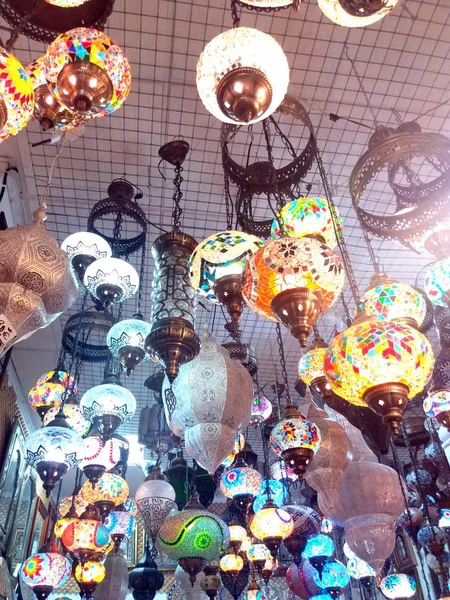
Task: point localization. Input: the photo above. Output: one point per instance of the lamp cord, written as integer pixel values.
(45, 195)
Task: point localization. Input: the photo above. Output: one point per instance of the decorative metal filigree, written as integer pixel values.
(154, 512)
(93, 326)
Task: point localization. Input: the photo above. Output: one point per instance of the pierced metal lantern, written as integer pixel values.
(172, 338)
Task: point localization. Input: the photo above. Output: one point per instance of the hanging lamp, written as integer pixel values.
(121, 524)
(311, 371)
(16, 96)
(261, 409)
(318, 551)
(49, 391)
(86, 538)
(398, 585)
(334, 578)
(87, 72)
(437, 405)
(110, 491)
(242, 75)
(211, 582)
(83, 248)
(145, 579)
(66, 3)
(231, 563)
(307, 523)
(88, 575)
(45, 571)
(172, 338)
(237, 535)
(111, 280)
(257, 554)
(356, 13)
(155, 498)
(99, 456)
(271, 525)
(241, 483)
(126, 341)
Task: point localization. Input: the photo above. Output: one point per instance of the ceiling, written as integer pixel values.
(404, 64)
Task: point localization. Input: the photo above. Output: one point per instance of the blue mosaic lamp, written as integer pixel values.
(398, 585)
(334, 578)
(318, 550)
(126, 341)
(273, 488)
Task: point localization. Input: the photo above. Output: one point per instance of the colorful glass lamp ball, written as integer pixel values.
(261, 409)
(398, 585)
(308, 216)
(87, 72)
(45, 571)
(437, 405)
(333, 578)
(50, 390)
(16, 96)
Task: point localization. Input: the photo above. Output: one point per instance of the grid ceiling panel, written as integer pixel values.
(403, 61)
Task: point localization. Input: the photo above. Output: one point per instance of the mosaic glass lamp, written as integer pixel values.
(271, 525)
(274, 489)
(50, 390)
(242, 76)
(357, 568)
(52, 451)
(126, 341)
(261, 409)
(308, 217)
(86, 538)
(257, 554)
(241, 483)
(66, 3)
(237, 535)
(307, 522)
(356, 13)
(73, 414)
(193, 536)
(334, 578)
(380, 364)
(83, 248)
(88, 575)
(16, 93)
(318, 550)
(295, 439)
(437, 405)
(390, 300)
(311, 371)
(120, 524)
(292, 280)
(111, 280)
(398, 585)
(231, 563)
(87, 72)
(45, 571)
(110, 491)
(99, 456)
(155, 498)
(78, 502)
(437, 283)
(280, 471)
(107, 406)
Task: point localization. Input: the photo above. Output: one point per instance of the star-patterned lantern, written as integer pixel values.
(45, 571)
(16, 93)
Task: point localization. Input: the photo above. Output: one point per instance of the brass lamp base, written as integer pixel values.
(443, 419)
(295, 544)
(299, 309)
(273, 544)
(228, 290)
(42, 591)
(84, 87)
(322, 387)
(3, 113)
(244, 94)
(362, 8)
(388, 400)
(298, 459)
(104, 507)
(192, 566)
(174, 342)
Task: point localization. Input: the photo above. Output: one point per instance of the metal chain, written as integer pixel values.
(361, 86)
(228, 201)
(373, 258)
(283, 363)
(234, 14)
(286, 140)
(141, 278)
(278, 197)
(177, 196)
(336, 226)
(408, 512)
(117, 231)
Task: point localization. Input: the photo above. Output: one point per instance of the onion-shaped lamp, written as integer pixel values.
(432, 537)
(83, 248)
(126, 341)
(261, 409)
(292, 280)
(390, 300)
(88, 575)
(231, 563)
(87, 72)
(86, 538)
(296, 439)
(271, 525)
(145, 579)
(241, 483)
(53, 450)
(155, 498)
(237, 535)
(16, 93)
(437, 405)
(193, 536)
(99, 456)
(318, 551)
(216, 266)
(108, 405)
(110, 491)
(257, 554)
(356, 13)
(380, 364)
(45, 571)
(111, 280)
(242, 76)
(398, 585)
(308, 217)
(334, 578)
(310, 369)
(437, 282)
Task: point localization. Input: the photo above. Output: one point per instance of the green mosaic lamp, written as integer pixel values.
(193, 537)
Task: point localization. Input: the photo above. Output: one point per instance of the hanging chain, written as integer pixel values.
(278, 197)
(336, 226)
(286, 140)
(177, 196)
(283, 363)
(228, 200)
(361, 86)
(373, 258)
(117, 231)
(141, 278)
(234, 14)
